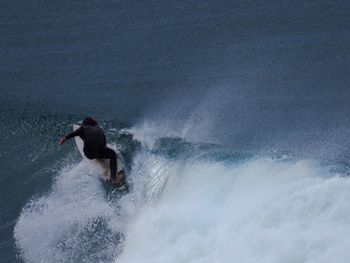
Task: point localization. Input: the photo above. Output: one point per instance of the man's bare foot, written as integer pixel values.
(121, 175)
(118, 180)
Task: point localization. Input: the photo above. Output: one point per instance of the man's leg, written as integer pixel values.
(110, 154)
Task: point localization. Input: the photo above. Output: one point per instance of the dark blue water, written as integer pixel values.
(255, 77)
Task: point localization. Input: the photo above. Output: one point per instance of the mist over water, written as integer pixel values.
(232, 117)
(259, 211)
(212, 206)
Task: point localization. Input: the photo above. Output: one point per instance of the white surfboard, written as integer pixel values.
(102, 165)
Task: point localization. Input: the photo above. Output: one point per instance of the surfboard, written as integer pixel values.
(101, 165)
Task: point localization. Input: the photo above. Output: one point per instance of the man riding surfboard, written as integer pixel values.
(95, 147)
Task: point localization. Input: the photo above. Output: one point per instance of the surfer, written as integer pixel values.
(95, 146)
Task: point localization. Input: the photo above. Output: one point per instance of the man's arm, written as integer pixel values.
(77, 132)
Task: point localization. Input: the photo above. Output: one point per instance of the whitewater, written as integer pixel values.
(191, 202)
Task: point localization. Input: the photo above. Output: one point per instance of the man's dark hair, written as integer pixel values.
(89, 121)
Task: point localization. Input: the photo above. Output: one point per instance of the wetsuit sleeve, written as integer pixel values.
(77, 132)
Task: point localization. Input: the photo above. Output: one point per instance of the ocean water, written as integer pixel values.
(232, 118)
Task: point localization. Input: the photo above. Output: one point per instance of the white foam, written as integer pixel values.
(258, 211)
(50, 228)
(149, 132)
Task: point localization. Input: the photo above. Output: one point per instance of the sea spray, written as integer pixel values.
(260, 210)
(74, 222)
(193, 203)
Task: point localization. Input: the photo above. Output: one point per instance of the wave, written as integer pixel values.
(74, 222)
(260, 210)
(193, 203)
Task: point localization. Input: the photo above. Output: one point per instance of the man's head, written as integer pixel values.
(89, 121)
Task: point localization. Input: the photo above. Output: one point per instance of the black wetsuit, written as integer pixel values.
(95, 145)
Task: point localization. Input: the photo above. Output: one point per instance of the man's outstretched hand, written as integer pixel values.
(62, 140)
